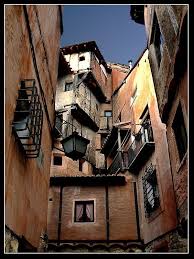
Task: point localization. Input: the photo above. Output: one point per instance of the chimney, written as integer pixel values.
(130, 64)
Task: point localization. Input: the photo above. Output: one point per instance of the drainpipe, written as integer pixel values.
(36, 67)
(136, 210)
(107, 215)
(60, 210)
(119, 149)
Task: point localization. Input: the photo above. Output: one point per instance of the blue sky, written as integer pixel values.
(117, 36)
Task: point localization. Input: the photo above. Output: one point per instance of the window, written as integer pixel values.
(144, 113)
(107, 113)
(84, 211)
(58, 125)
(68, 86)
(157, 40)
(103, 137)
(57, 160)
(82, 58)
(150, 189)
(119, 118)
(179, 129)
(146, 130)
(108, 119)
(134, 95)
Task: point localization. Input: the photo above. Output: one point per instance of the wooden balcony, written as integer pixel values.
(95, 85)
(84, 117)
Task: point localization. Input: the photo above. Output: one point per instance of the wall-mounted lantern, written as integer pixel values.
(74, 145)
(28, 119)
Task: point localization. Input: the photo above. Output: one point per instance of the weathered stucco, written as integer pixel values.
(27, 180)
(141, 78)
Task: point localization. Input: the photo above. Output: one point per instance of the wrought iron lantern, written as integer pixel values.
(75, 145)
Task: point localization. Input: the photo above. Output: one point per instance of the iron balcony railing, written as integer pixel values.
(142, 144)
(119, 163)
(137, 152)
(116, 164)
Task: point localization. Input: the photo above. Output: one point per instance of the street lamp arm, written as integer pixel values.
(58, 149)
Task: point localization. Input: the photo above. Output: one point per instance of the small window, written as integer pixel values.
(157, 40)
(107, 113)
(134, 95)
(103, 137)
(180, 132)
(151, 192)
(82, 58)
(84, 211)
(68, 86)
(58, 125)
(57, 160)
(144, 113)
(119, 118)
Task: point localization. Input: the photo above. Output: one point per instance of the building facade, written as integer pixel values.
(85, 209)
(31, 63)
(166, 28)
(95, 152)
(120, 195)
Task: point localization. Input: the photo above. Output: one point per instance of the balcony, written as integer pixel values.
(95, 85)
(116, 165)
(84, 117)
(141, 148)
(119, 163)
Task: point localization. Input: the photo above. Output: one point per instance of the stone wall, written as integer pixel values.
(171, 243)
(11, 242)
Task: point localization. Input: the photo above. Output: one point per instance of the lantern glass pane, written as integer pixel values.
(80, 146)
(68, 145)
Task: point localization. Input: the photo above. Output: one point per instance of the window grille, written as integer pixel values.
(84, 211)
(28, 119)
(150, 189)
